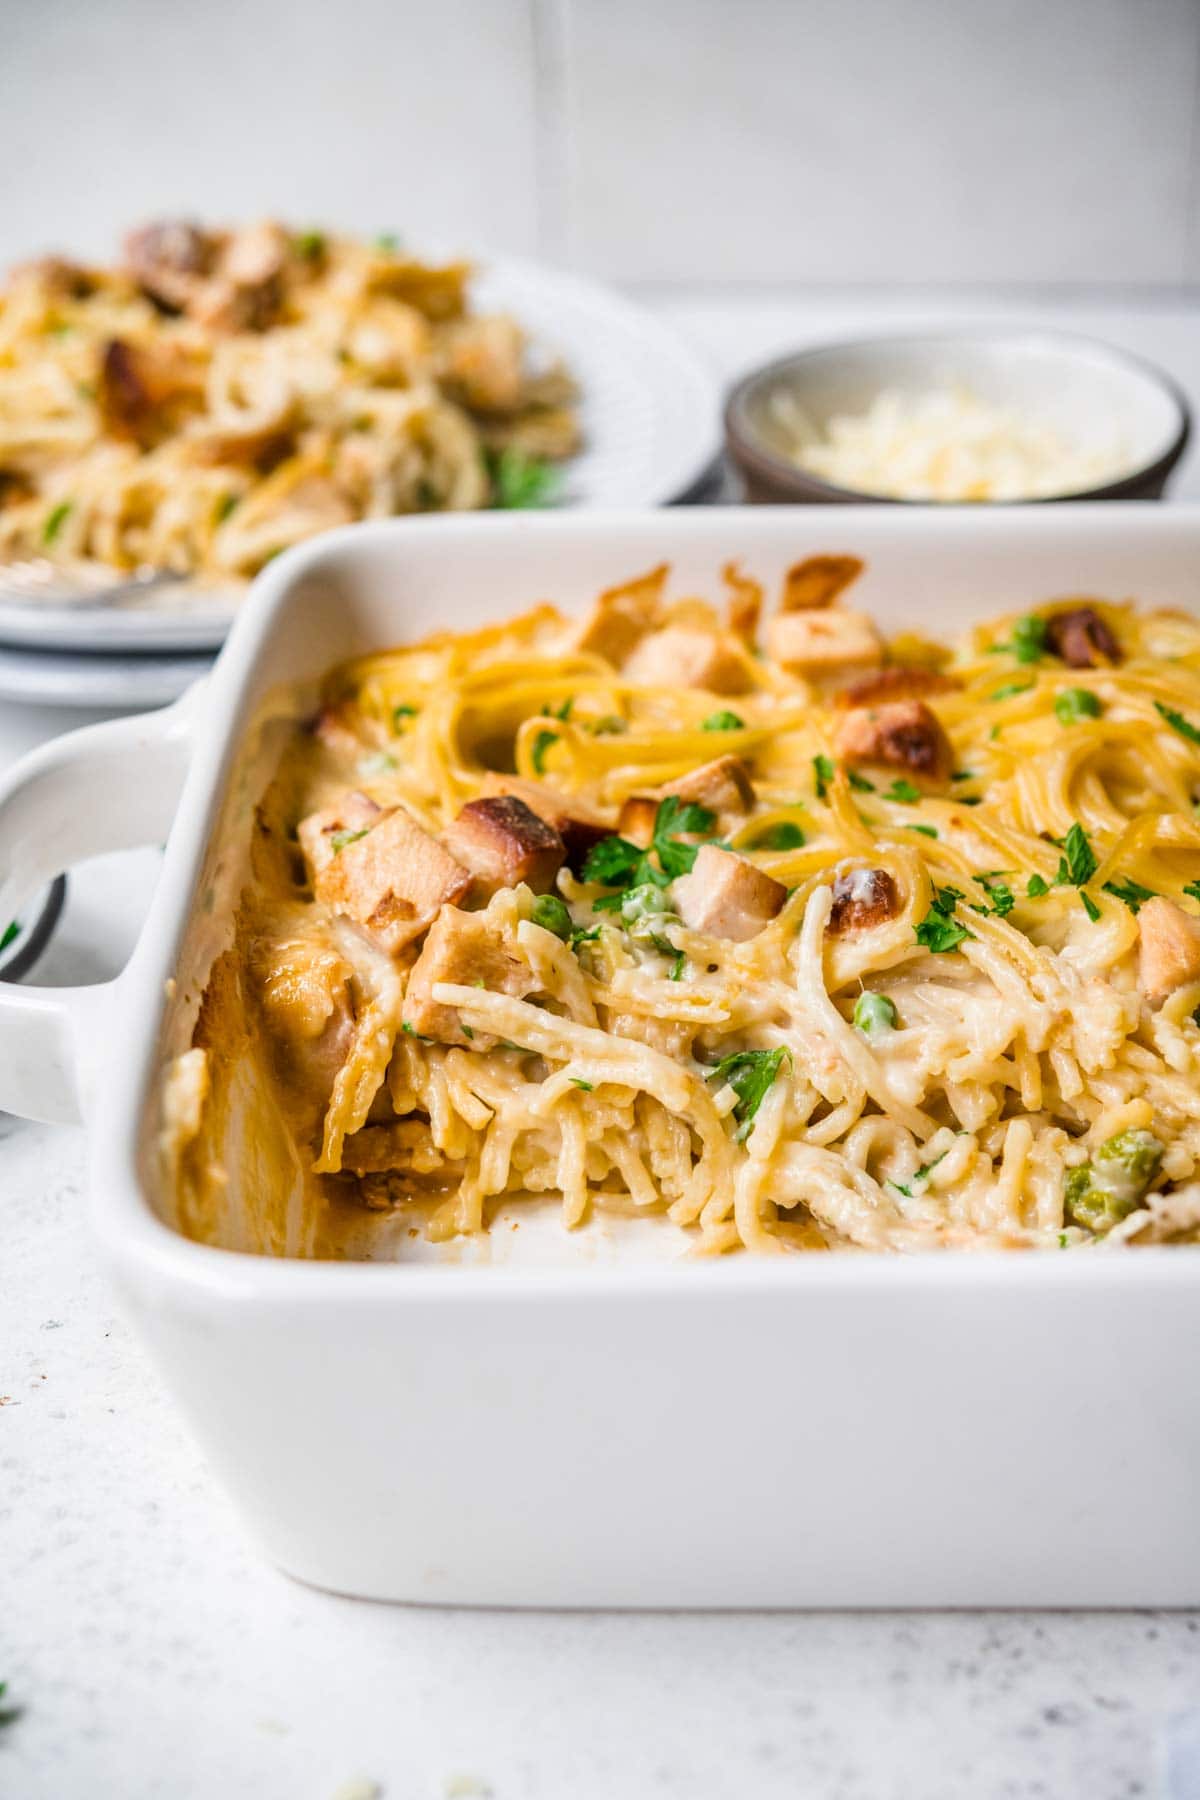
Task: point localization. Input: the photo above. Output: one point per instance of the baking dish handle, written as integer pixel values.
(107, 787)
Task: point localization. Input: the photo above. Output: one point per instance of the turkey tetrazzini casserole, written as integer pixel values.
(832, 943)
(221, 394)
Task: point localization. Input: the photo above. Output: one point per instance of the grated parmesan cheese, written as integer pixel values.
(950, 445)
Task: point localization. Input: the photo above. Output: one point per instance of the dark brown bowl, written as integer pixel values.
(1068, 381)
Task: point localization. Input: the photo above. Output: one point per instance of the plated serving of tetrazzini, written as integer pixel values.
(798, 938)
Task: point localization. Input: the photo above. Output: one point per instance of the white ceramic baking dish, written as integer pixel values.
(606, 1427)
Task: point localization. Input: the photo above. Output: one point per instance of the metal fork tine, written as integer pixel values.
(38, 582)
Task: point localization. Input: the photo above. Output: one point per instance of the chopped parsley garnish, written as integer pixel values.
(9, 1714)
(963, 775)
(1132, 893)
(823, 774)
(783, 835)
(874, 1013)
(678, 816)
(1078, 864)
(340, 839)
(939, 930)
(585, 1085)
(521, 481)
(225, 506)
(616, 863)
(1028, 641)
(750, 1073)
(929, 831)
(1009, 688)
(56, 518)
(1178, 723)
(723, 721)
(11, 931)
(420, 1035)
(400, 713)
(903, 790)
(1074, 704)
(918, 1178)
(1001, 897)
(561, 713)
(551, 914)
(541, 744)
(859, 783)
(1037, 887)
(1090, 907)
(678, 966)
(310, 245)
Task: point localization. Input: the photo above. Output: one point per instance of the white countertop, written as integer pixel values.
(154, 1655)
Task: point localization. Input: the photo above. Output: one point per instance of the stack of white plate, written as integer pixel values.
(650, 415)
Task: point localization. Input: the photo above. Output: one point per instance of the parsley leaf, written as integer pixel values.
(676, 816)
(750, 1074)
(929, 831)
(612, 862)
(1178, 723)
(1079, 863)
(1090, 907)
(340, 839)
(1009, 688)
(723, 721)
(1132, 893)
(56, 518)
(541, 744)
(1192, 889)
(310, 245)
(400, 713)
(1037, 887)
(939, 930)
(521, 481)
(783, 835)
(563, 712)
(823, 772)
(903, 790)
(918, 1178)
(585, 1085)
(1074, 704)
(1001, 895)
(859, 783)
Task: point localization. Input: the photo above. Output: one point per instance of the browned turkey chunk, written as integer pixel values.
(380, 868)
(817, 581)
(1081, 637)
(1168, 948)
(820, 644)
(862, 898)
(467, 950)
(169, 260)
(723, 785)
(502, 841)
(577, 824)
(727, 896)
(137, 385)
(903, 735)
(306, 999)
(688, 656)
(900, 681)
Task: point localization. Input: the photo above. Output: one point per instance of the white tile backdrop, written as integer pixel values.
(692, 141)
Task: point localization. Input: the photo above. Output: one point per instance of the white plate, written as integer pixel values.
(650, 413)
(80, 678)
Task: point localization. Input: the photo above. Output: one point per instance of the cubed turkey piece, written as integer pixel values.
(723, 786)
(380, 868)
(727, 896)
(621, 617)
(904, 735)
(688, 656)
(820, 644)
(577, 824)
(502, 841)
(467, 950)
(1168, 948)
